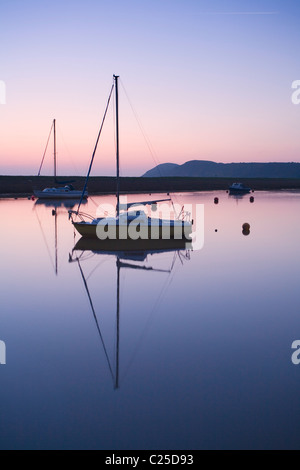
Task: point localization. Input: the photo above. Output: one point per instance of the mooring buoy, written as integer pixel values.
(246, 229)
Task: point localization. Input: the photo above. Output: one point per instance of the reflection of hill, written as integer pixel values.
(202, 168)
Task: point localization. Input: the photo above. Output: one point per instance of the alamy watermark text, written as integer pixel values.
(153, 222)
(2, 353)
(2, 92)
(296, 353)
(296, 93)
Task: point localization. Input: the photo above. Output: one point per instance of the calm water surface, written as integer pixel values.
(170, 351)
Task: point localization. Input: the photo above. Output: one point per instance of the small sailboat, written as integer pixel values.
(66, 192)
(128, 224)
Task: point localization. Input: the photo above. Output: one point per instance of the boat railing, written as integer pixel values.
(81, 215)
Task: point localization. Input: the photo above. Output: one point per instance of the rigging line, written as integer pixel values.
(150, 318)
(61, 135)
(87, 257)
(174, 259)
(95, 149)
(93, 201)
(39, 173)
(98, 266)
(184, 257)
(99, 206)
(81, 257)
(147, 140)
(96, 320)
(45, 240)
(106, 213)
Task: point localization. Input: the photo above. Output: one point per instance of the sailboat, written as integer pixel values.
(67, 192)
(128, 225)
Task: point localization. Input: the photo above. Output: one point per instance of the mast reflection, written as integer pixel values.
(129, 254)
(56, 208)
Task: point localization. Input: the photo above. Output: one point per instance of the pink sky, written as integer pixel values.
(205, 86)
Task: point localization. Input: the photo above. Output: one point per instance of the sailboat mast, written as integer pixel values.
(118, 325)
(56, 243)
(54, 131)
(116, 77)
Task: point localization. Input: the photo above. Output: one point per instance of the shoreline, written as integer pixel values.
(23, 186)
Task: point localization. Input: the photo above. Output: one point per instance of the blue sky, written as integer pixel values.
(208, 79)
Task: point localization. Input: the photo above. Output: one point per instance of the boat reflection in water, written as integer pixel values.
(129, 254)
(56, 208)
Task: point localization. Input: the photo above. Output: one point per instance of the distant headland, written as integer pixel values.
(208, 169)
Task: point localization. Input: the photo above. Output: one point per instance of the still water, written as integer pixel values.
(170, 351)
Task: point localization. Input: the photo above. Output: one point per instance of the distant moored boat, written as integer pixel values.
(239, 188)
(67, 192)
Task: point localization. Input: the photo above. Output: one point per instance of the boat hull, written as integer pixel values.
(239, 188)
(240, 191)
(122, 232)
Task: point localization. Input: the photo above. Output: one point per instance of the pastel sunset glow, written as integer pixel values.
(207, 80)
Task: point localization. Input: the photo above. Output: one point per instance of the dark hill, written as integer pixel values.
(207, 169)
